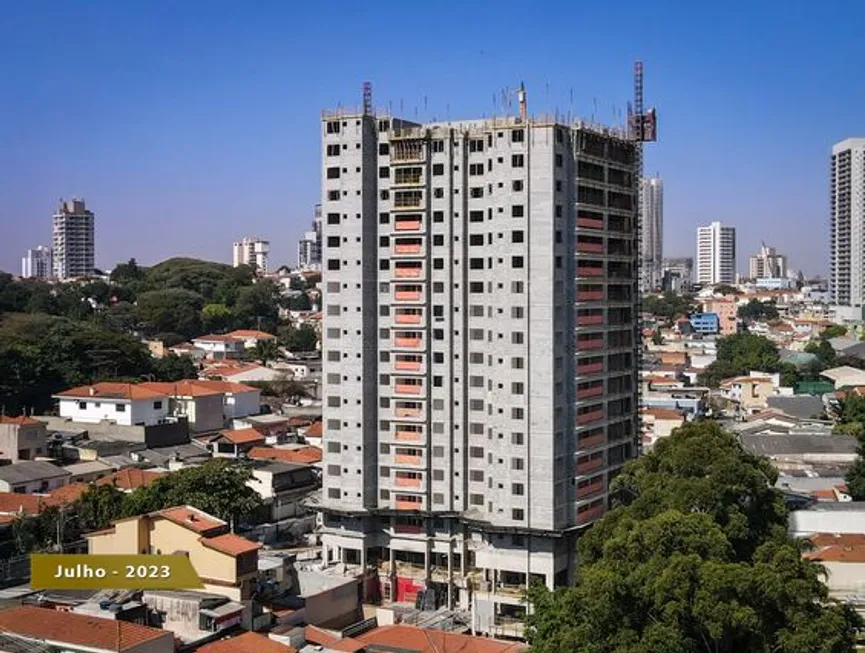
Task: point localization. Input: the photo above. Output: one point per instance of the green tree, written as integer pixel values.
(303, 338)
(695, 557)
(297, 302)
(834, 331)
(99, 506)
(129, 272)
(174, 310)
(216, 318)
(257, 306)
(217, 487)
(265, 351)
(174, 368)
(668, 305)
(823, 351)
(758, 310)
(726, 289)
(657, 338)
(740, 353)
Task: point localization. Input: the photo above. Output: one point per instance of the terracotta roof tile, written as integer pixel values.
(319, 636)
(79, 629)
(187, 516)
(302, 455)
(251, 333)
(131, 478)
(846, 539)
(663, 413)
(242, 436)
(28, 504)
(122, 391)
(231, 544)
(423, 640)
(246, 643)
(69, 493)
(19, 421)
(227, 387)
(187, 388)
(314, 431)
(215, 337)
(837, 553)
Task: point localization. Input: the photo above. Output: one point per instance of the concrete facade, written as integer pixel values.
(22, 438)
(716, 254)
(38, 263)
(74, 240)
(846, 239)
(251, 251)
(480, 345)
(652, 233)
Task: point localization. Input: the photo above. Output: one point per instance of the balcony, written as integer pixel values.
(408, 248)
(404, 481)
(590, 295)
(590, 368)
(591, 443)
(586, 271)
(590, 515)
(407, 411)
(590, 248)
(590, 223)
(405, 504)
(407, 459)
(589, 320)
(407, 343)
(407, 225)
(595, 343)
(407, 366)
(586, 393)
(408, 318)
(407, 389)
(408, 436)
(589, 490)
(589, 466)
(407, 295)
(588, 418)
(408, 271)
(408, 529)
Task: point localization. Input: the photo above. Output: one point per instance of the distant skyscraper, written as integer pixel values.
(309, 247)
(768, 264)
(652, 246)
(847, 264)
(716, 254)
(37, 263)
(74, 240)
(252, 251)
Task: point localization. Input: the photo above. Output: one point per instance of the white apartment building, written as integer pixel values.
(309, 246)
(480, 343)
(847, 241)
(652, 232)
(251, 251)
(768, 264)
(74, 238)
(37, 263)
(716, 254)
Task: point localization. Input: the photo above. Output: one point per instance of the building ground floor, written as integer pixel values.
(442, 562)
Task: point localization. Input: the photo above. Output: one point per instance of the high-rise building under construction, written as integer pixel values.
(480, 337)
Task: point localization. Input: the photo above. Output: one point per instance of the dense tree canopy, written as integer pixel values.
(758, 310)
(695, 557)
(302, 338)
(834, 331)
(668, 305)
(740, 353)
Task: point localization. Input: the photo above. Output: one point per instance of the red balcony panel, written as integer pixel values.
(590, 223)
(402, 481)
(412, 343)
(590, 368)
(407, 366)
(408, 529)
(590, 515)
(407, 225)
(408, 272)
(407, 412)
(407, 389)
(405, 459)
(588, 418)
(590, 248)
(589, 490)
(596, 343)
(590, 466)
(407, 295)
(406, 248)
(589, 320)
(408, 436)
(402, 504)
(407, 318)
(585, 393)
(585, 271)
(592, 442)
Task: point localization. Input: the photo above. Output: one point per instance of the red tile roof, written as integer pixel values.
(196, 520)
(835, 553)
(250, 334)
(19, 421)
(663, 413)
(243, 436)
(228, 387)
(423, 640)
(230, 544)
(131, 478)
(314, 431)
(122, 391)
(214, 337)
(302, 455)
(69, 493)
(28, 504)
(246, 643)
(181, 389)
(845, 539)
(79, 629)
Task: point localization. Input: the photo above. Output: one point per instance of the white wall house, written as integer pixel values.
(220, 346)
(125, 404)
(250, 337)
(240, 400)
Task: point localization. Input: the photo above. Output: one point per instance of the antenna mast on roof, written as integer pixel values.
(367, 99)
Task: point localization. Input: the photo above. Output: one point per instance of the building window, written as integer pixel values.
(120, 408)
(517, 261)
(518, 161)
(517, 211)
(157, 405)
(82, 405)
(518, 514)
(333, 264)
(518, 136)
(333, 173)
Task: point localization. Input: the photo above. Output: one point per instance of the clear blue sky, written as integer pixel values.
(188, 124)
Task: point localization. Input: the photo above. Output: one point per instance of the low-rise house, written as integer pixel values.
(193, 616)
(749, 393)
(240, 400)
(274, 428)
(201, 405)
(125, 404)
(220, 347)
(282, 486)
(704, 323)
(313, 433)
(233, 443)
(659, 423)
(88, 471)
(129, 480)
(842, 556)
(188, 349)
(226, 563)
(31, 476)
(77, 633)
(247, 643)
(845, 376)
(726, 309)
(250, 337)
(303, 455)
(842, 517)
(240, 372)
(22, 438)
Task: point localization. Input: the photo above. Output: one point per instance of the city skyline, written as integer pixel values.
(238, 149)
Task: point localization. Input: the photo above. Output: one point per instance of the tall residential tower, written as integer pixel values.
(309, 247)
(716, 254)
(652, 204)
(847, 263)
(768, 264)
(74, 236)
(251, 251)
(480, 342)
(37, 263)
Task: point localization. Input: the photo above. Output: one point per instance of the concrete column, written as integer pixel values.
(450, 574)
(426, 562)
